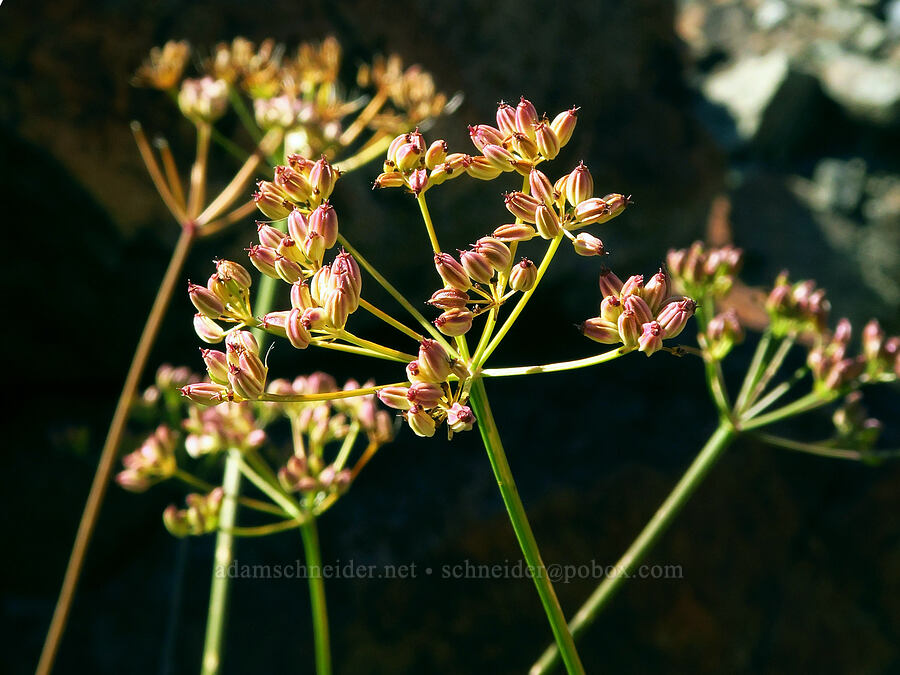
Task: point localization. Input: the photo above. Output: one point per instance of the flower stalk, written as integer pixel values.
(490, 435)
(712, 451)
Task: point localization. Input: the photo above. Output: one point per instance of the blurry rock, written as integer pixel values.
(771, 14)
(764, 95)
(868, 89)
(870, 37)
(892, 17)
(838, 184)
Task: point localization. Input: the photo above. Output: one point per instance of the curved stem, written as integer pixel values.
(313, 554)
(110, 449)
(637, 552)
(605, 357)
(219, 590)
(519, 520)
(429, 226)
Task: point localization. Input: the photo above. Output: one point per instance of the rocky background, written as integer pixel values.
(790, 110)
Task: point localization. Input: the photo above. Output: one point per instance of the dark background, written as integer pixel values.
(790, 563)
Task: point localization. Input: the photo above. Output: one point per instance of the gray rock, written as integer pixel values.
(839, 185)
(868, 89)
(771, 13)
(764, 95)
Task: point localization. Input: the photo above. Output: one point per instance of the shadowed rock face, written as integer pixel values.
(771, 543)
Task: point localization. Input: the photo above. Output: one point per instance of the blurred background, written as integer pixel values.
(787, 109)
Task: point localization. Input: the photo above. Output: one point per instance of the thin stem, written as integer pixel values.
(776, 393)
(327, 396)
(753, 372)
(235, 187)
(490, 435)
(229, 146)
(218, 592)
(637, 552)
(172, 177)
(353, 349)
(313, 554)
(479, 359)
(218, 608)
(375, 347)
(804, 404)
(715, 379)
(364, 117)
(819, 449)
(159, 182)
(346, 446)
(202, 485)
(771, 370)
(263, 530)
(216, 226)
(110, 449)
(388, 319)
(429, 226)
(368, 454)
(605, 357)
(237, 102)
(397, 295)
(272, 492)
(374, 148)
(197, 193)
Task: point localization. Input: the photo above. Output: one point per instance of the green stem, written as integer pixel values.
(776, 393)
(804, 404)
(605, 357)
(346, 446)
(429, 226)
(490, 435)
(397, 295)
(224, 554)
(637, 552)
(389, 320)
(217, 616)
(715, 380)
(110, 450)
(813, 448)
(771, 369)
(479, 359)
(753, 372)
(237, 102)
(202, 485)
(375, 347)
(290, 507)
(313, 554)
